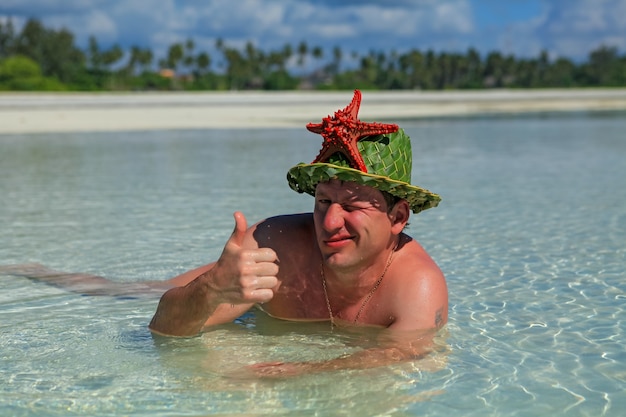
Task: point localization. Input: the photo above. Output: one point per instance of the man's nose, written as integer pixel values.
(333, 219)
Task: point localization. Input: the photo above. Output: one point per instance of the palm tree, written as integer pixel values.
(188, 58)
(7, 39)
(203, 62)
(175, 55)
(303, 50)
(145, 58)
(336, 63)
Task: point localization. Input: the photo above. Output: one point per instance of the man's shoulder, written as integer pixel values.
(300, 220)
(291, 218)
(418, 288)
(283, 228)
(416, 262)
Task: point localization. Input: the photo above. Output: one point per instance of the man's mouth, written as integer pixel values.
(339, 241)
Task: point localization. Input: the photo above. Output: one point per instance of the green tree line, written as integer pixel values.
(40, 58)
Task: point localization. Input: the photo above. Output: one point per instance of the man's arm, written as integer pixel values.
(394, 347)
(423, 302)
(244, 275)
(187, 310)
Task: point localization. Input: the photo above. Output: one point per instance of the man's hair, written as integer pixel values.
(390, 199)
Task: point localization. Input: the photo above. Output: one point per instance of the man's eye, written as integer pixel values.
(352, 207)
(359, 205)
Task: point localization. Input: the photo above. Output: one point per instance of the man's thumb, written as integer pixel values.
(241, 225)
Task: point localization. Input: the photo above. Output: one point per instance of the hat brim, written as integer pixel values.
(303, 178)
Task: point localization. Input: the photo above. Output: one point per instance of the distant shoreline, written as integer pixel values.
(98, 112)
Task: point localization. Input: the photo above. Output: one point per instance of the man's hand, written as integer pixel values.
(243, 275)
(220, 292)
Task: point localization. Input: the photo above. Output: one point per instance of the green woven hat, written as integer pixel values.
(373, 154)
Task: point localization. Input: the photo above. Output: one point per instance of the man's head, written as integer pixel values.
(371, 154)
(355, 223)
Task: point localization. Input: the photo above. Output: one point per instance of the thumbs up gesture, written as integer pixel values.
(242, 274)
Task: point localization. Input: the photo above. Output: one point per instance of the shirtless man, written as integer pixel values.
(349, 262)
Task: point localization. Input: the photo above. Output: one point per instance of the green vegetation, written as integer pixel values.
(42, 59)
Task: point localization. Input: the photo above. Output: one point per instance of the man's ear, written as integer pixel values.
(400, 216)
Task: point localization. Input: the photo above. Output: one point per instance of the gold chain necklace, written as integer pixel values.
(374, 288)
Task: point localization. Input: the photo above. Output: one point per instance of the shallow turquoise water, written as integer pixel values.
(531, 235)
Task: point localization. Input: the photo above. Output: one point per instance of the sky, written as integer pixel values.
(523, 28)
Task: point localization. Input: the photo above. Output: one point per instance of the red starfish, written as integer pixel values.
(342, 131)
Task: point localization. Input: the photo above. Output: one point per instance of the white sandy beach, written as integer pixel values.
(76, 112)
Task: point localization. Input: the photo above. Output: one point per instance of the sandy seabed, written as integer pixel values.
(97, 112)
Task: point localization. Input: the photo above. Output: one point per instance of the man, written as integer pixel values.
(349, 262)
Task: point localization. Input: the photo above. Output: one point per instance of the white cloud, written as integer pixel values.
(586, 25)
(93, 23)
(578, 18)
(568, 28)
(453, 17)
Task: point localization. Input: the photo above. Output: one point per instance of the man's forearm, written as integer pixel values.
(368, 358)
(365, 359)
(182, 311)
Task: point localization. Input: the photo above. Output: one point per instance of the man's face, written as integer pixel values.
(352, 224)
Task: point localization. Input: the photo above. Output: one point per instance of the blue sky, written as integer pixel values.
(564, 28)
